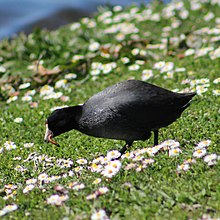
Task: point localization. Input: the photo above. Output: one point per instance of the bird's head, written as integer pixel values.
(61, 121)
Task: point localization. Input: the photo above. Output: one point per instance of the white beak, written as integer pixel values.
(47, 133)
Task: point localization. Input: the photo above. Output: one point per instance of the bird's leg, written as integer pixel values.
(155, 137)
(126, 146)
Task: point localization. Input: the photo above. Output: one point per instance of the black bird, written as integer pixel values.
(129, 111)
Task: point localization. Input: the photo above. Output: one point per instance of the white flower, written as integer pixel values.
(109, 171)
(183, 167)
(210, 157)
(1, 150)
(10, 208)
(70, 76)
(28, 188)
(26, 98)
(9, 145)
(148, 161)
(2, 69)
(12, 99)
(77, 57)
(75, 26)
(95, 72)
(134, 67)
(46, 90)
(152, 151)
(18, 120)
(199, 153)
(31, 181)
(167, 67)
(94, 46)
(174, 152)
(28, 145)
(135, 51)
(146, 74)
(203, 144)
(96, 168)
(125, 60)
(61, 83)
(99, 215)
(82, 161)
(159, 65)
(97, 181)
(54, 200)
(216, 81)
(42, 177)
(24, 86)
(209, 16)
(216, 92)
(189, 52)
(114, 154)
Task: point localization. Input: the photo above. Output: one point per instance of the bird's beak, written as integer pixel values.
(49, 135)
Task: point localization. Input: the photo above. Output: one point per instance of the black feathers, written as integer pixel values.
(128, 111)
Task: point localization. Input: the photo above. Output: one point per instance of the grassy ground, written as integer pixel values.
(115, 45)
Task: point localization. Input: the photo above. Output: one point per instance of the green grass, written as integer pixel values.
(157, 192)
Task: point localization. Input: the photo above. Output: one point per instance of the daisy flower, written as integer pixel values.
(210, 157)
(10, 208)
(31, 181)
(12, 99)
(146, 74)
(91, 196)
(46, 90)
(151, 151)
(61, 84)
(24, 86)
(183, 167)
(102, 190)
(167, 67)
(216, 81)
(18, 120)
(97, 181)
(78, 169)
(94, 46)
(98, 159)
(128, 155)
(216, 92)
(26, 98)
(82, 161)
(96, 168)
(134, 67)
(28, 145)
(125, 60)
(203, 144)
(28, 188)
(99, 215)
(189, 52)
(148, 161)
(199, 153)
(130, 166)
(42, 177)
(116, 164)
(70, 76)
(189, 161)
(138, 158)
(114, 154)
(174, 152)
(9, 145)
(54, 200)
(78, 186)
(109, 172)
(159, 65)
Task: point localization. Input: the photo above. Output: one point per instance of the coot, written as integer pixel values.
(129, 111)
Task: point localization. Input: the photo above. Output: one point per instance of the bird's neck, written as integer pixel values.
(73, 115)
